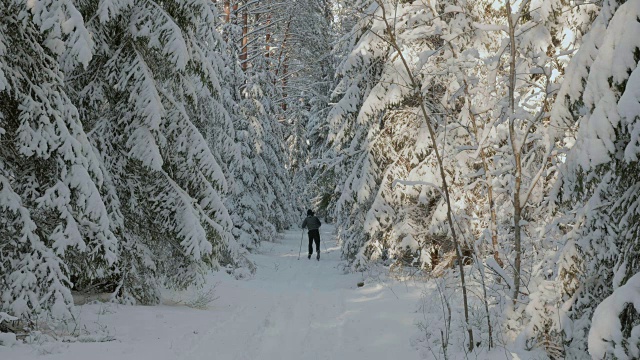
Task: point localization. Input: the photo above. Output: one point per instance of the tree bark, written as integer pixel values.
(268, 37)
(227, 11)
(235, 12)
(517, 207)
(285, 70)
(282, 48)
(245, 29)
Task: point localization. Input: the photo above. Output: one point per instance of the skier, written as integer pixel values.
(313, 224)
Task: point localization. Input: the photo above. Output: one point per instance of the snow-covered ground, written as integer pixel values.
(290, 309)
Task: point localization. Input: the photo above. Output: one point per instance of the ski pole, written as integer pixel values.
(301, 237)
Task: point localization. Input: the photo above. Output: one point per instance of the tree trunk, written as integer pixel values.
(517, 207)
(235, 12)
(282, 49)
(227, 11)
(285, 69)
(245, 29)
(268, 37)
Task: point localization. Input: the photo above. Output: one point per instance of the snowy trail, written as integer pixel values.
(291, 309)
(307, 309)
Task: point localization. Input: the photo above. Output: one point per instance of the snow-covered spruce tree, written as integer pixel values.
(599, 185)
(216, 118)
(259, 200)
(398, 134)
(462, 54)
(54, 225)
(142, 100)
(309, 81)
(391, 142)
(265, 136)
(263, 100)
(278, 90)
(346, 137)
(615, 330)
(354, 77)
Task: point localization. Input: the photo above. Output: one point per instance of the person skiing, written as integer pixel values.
(313, 224)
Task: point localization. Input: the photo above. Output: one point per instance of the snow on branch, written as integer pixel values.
(415, 183)
(606, 336)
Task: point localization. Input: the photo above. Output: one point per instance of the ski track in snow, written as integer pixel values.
(291, 309)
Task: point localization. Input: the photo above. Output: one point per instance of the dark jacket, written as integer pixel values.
(311, 223)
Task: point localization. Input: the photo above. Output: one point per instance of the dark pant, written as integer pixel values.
(314, 235)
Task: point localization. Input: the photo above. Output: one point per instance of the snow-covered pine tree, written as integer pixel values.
(398, 132)
(614, 330)
(144, 98)
(309, 83)
(260, 199)
(54, 221)
(461, 52)
(391, 220)
(354, 76)
(343, 158)
(265, 139)
(598, 189)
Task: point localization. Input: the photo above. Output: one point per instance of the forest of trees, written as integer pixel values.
(145, 143)
(494, 144)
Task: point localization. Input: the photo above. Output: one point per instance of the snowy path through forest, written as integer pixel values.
(307, 309)
(291, 309)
